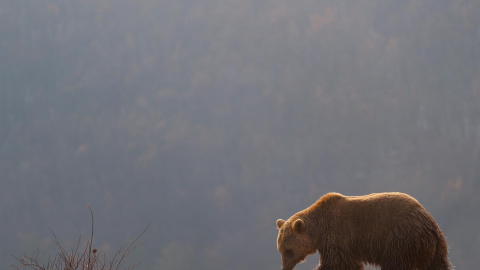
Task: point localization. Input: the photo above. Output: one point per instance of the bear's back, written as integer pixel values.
(377, 213)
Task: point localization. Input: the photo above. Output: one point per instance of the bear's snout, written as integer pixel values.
(289, 264)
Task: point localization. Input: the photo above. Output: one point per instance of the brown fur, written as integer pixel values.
(390, 230)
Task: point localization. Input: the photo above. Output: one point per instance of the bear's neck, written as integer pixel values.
(316, 221)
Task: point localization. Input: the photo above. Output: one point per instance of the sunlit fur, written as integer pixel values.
(390, 230)
(293, 238)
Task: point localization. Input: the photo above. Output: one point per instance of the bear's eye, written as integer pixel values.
(289, 252)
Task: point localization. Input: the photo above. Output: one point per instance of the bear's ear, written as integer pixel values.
(299, 226)
(280, 223)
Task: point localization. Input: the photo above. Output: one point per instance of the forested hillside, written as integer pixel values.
(211, 119)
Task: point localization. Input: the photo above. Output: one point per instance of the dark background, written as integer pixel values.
(211, 119)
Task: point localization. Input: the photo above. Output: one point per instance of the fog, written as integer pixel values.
(212, 119)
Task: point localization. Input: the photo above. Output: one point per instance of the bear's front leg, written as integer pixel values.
(337, 263)
(338, 267)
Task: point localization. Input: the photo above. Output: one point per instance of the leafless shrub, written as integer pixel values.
(80, 258)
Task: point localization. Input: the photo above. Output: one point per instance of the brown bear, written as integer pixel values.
(389, 230)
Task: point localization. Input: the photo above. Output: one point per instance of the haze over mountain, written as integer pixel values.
(211, 119)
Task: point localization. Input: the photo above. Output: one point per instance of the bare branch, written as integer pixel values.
(132, 246)
(91, 236)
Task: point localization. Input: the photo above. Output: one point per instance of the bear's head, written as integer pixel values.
(293, 242)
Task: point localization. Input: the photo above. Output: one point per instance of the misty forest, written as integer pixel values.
(212, 119)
